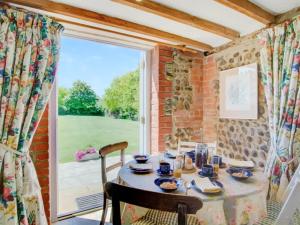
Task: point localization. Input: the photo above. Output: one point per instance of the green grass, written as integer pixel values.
(80, 132)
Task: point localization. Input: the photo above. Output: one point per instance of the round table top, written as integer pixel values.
(232, 187)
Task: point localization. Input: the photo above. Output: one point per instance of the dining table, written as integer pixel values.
(241, 202)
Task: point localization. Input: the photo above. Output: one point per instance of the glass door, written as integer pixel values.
(101, 95)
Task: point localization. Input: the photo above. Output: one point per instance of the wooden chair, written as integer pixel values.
(104, 151)
(181, 204)
(186, 146)
(289, 212)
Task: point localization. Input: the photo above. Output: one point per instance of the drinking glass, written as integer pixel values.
(216, 163)
(178, 164)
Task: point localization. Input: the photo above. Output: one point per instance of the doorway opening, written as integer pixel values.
(100, 99)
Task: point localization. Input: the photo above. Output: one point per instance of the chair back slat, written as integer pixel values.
(181, 204)
(186, 146)
(114, 166)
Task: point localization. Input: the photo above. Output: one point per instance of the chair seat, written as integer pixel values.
(153, 217)
(273, 209)
(144, 221)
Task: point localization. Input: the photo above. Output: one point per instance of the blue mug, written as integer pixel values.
(164, 167)
(216, 159)
(208, 170)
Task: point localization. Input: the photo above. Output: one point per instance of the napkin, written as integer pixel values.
(239, 163)
(206, 185)
(141, 166)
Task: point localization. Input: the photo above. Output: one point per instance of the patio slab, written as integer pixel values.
(78, 179)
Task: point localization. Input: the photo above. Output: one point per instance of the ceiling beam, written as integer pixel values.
(250, 9)
(181, 17)
(83, 14)
(182, 48)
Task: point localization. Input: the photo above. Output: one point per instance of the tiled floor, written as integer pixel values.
(78, 179)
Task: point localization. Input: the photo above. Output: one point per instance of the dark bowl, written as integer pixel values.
(141, 158)
(159, 181)
(245, 173)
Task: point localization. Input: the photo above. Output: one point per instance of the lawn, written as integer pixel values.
(80, 132)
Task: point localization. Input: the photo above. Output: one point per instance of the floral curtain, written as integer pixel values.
(29, 45)
(280, 62)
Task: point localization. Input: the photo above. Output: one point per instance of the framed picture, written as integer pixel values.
(238, 92)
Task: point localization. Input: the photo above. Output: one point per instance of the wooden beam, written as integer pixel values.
(182, 48)
(287, 15)
(83, 14)
(182, 17)
(250, 9)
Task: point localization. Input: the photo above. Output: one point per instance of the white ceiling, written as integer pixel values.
(277, 6)
(206, 9)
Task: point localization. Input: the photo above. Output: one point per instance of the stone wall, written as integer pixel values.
(241, 139)
(176, 98)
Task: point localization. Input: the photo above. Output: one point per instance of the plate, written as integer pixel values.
(141, 158)
(242, 168)
(185, 171)
(141, 171)
(159, 173)
(214, 176)
(223, 165)
(217, 183)
(170, 156)
(159, 181)
(246, 173)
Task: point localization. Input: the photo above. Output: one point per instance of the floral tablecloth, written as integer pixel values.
(241, 203)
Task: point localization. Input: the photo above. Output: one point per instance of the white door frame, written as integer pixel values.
(144, 128)
(144, 111)
(53, 153)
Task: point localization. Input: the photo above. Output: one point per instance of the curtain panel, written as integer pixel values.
(280, 62)
(29, 47)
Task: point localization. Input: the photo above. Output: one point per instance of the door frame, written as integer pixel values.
(144, 125)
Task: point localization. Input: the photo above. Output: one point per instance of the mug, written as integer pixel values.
(217, 159)
(165, 167)
(207, 170)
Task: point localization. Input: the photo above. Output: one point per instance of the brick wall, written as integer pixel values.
(210, 93)
(160, 89)
(40, 156)
(176, 99)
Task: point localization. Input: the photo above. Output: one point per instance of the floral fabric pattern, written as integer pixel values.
(29, 46)
(280, 62)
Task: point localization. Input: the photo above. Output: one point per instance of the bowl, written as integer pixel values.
(141, 158)
(239, 174)
(160, 181)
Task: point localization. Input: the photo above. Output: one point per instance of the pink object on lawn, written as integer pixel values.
(88, 154)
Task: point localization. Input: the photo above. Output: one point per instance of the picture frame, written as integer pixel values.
(239, 92)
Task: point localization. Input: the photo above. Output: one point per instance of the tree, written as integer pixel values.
(62, 95)
(121, 99)
(82, 99)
